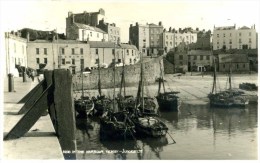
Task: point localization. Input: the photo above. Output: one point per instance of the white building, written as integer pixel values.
(231, 38)
(16, 53)
(186, 37)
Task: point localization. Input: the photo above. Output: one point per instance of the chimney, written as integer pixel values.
(131, 25)
(136, 24)
(170, 29)
(160, 23)
(28, 36)
(69, 14)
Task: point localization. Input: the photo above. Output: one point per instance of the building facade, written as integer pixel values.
(111, 29)
(68, 54)
(156, 38)
(139, 36)
(199, 60)
(108, 53)
(168, 40)
(16, 53)
(186, 37)
(233, 62)
(82, 32)
(87, 18)
(231, 38)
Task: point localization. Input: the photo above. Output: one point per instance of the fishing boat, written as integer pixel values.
(101, 102)
(227, 98)
(167, 101)
(145, 118)
(116, 126)
(84, 106)
(149, 126)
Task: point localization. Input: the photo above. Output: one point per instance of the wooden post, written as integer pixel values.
(32, 93)
(64, 107)
(32, 97)
(57, 98)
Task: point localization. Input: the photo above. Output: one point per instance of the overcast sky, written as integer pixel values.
(48, 15)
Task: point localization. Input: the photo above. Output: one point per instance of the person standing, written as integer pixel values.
(32, 75)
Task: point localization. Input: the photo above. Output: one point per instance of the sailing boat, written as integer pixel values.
(84, 106)
(167, 101)
(101, 103)
(116, 124)
(146, 122)
(227, 98)
(125, 102)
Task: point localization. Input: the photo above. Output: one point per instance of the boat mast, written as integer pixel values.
(161, 79)
(82, 89)
(123, 77)
(229, 76)
(214, 77)
(99, 82)
(142, 83)
(114, 91)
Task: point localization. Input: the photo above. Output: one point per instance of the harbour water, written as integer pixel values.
(200, 132)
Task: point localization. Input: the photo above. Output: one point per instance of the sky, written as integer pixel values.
(204, 14)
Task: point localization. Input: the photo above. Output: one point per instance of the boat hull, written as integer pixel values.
(154, 128)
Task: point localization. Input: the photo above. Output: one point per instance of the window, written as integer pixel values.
(230, 47)
(244, 66)
(207, 57)
(217, 35)
(90, 34)
(180, 57)
(130, 60)
(230, 34)
(237, 66)
(239, 34)
(45, 60)
(250, 40)
(97, 61)
(180, 62)
(96, 51)
(73, 61)
(230, 41)
(223, 65)
(166, 37)
(63, 61)
(217, 42)
(37, 51)
(249, 33)
(201, 57)
(224, 42)
(37, 60)
(239, 40)
(45, 51)
(113, 51)
(195, 57)
(81, 50)
(132, 52)
(166, 43)
(127, 51)
(62, 51)
(119, 60)
(224, 35)
(72, 51)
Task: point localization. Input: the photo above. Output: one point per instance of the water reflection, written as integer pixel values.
(201, 131)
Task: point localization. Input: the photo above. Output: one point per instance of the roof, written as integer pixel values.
(59, 41)
(87, 27)
(108, 44)
(244, 27)
(225, 28)
(233, 58)
(200, 52)
(102, 44)
(128, 46)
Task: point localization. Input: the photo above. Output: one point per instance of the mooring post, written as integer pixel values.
(10, 83)
(65, 114)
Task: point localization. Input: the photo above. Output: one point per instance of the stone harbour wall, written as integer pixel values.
(132, 75)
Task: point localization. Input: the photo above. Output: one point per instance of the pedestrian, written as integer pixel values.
(32, 75)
